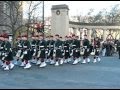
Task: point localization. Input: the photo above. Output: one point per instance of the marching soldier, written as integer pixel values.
(47, 48)
(97, 50)
(75, 51)
(19, 49)
(86, 46)
(51, 48)
(66, 50)
(57, 50)
(42, 51)
(8, 55)
(78, 48)
(38, 62)
(62, 51)
(26, 53)
(33, 49)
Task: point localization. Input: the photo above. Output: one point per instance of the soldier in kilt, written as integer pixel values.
(26, 53)
(86, 46)
(62, 50)
(47, 48)
(33, 49)
(51, 48)
(42, 53)
(97, 50)
(75, 49)
(70, 48)
(8, 54)
(57, 50)
(38, 61)
(66, 50)
(18, 49)
(78, 48)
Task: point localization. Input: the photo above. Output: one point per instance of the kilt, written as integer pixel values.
(42, 54)
(86, 53)
(75, 53)
(58, 53)
(9, 56)
(51, 53)
(27, 56)
(67, 54)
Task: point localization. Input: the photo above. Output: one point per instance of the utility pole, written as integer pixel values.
(43, 21)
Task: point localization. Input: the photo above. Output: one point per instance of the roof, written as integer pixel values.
(61, 6)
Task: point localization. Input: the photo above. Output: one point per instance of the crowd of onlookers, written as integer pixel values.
(108, 47)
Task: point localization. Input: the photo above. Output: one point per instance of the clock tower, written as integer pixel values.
(60, 20)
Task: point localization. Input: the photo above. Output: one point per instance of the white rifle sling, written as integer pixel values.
(71, 53)
(49, 52)
(54, 53)
(18, 53)
(82, 51)
(22, 56)
(87, 50)
(39, 52)
(3, 54)
(3, 58)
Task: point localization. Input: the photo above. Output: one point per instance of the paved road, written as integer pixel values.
(105, 74)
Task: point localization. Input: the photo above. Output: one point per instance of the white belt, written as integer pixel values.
(41, 46)
(25, 46)
(33, 45)
(73, 45)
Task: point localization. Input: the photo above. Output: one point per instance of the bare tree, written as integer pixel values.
(32, 7)
(12, 16)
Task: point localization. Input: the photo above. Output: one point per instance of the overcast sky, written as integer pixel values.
(77, 7)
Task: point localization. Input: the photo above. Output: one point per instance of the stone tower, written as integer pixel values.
(60, 20)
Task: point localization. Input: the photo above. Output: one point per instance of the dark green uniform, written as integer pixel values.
(51, 48)
(19, 48)
(66, 49)
(42, 47)
(86, 45)
(47, 48)
(26, 50)
(75, 48)
(8, 51)
(57, 49)
(33, 48)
